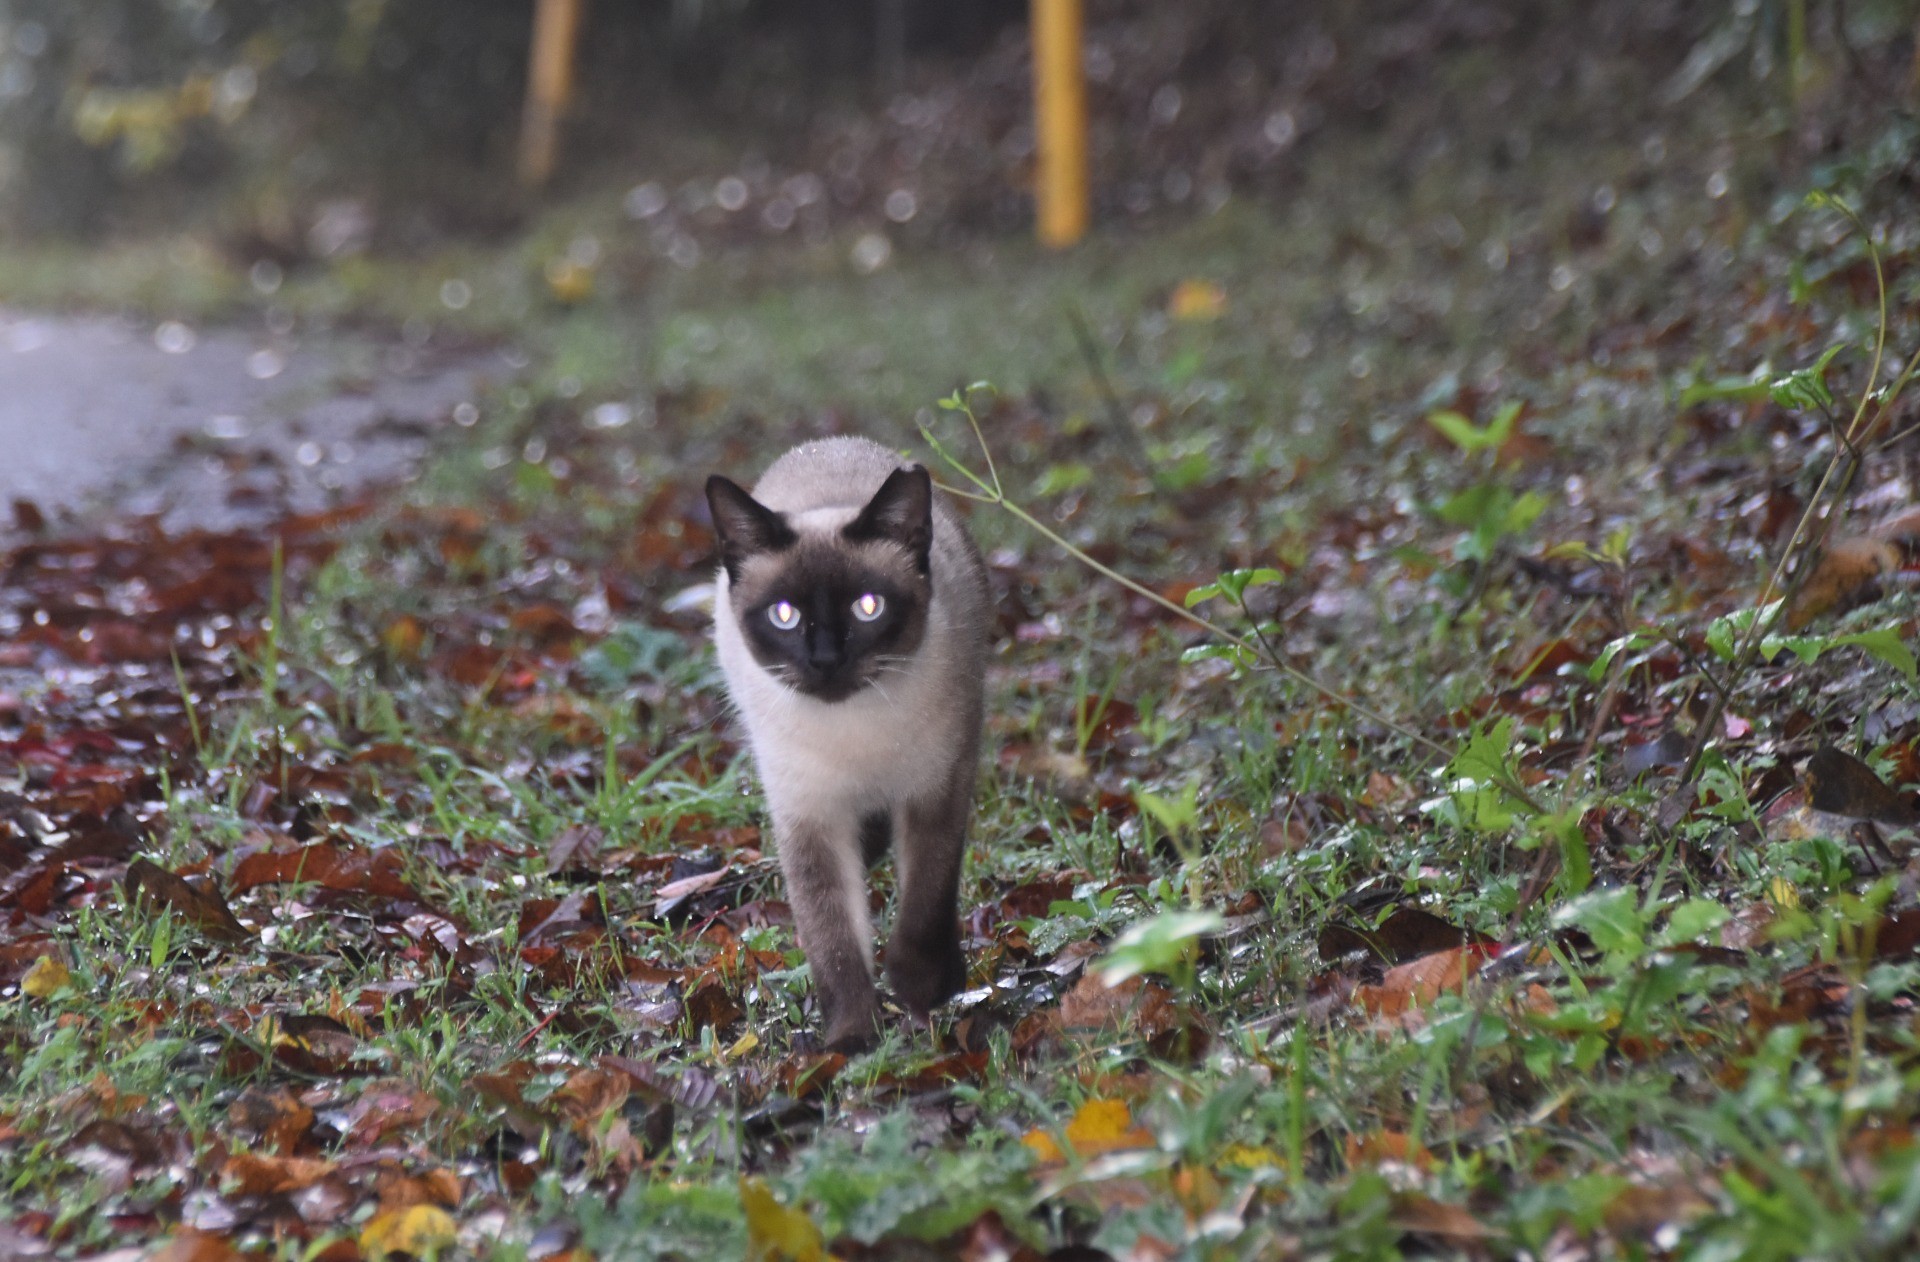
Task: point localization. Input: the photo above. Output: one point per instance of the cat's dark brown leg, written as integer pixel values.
(925, 965)
(827, 889)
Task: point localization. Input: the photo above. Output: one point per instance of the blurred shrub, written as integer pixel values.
(270, 113)
(116, 107)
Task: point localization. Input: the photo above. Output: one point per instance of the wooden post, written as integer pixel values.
(1060, 123)
(556, 27)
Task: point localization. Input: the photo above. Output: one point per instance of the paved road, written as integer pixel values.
(213, 428)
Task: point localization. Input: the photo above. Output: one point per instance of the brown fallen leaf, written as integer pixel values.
(1413, 985)
(573, 850)
(398, 1189)
(802, 1075)
(1842, 784)
(1902, 528)
(988, 1239)
(1847, 566)
(1387, 1145)
(588, 1095)
(1637, 1211)
(1424, 1216)
(205, 909)
(1406, 934)
(260, 1174)
(188, 1245)
(339, 868)
(274, 1115)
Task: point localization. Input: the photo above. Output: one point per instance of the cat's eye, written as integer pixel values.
(783, 615)
(869, 607)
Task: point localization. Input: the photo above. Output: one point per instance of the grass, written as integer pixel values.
(1697, 1041)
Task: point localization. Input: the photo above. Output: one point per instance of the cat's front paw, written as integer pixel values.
(926, 973)
(852, 1024)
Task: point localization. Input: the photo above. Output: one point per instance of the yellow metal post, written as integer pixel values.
(1060, 123)
(556, 27)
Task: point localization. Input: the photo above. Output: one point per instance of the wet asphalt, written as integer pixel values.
(216, 428)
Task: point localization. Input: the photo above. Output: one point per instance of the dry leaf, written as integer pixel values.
(776, 1232)
(1418, 983)
(259, 1174)
(45, 979)
(403, 638)
(416, 1229)
(188, 1245)
(1845, 568)
(204, 909)
(1098, 1126)
(1198, 301)
(1425, 1216)
(1384, 1145)
(1842, 784)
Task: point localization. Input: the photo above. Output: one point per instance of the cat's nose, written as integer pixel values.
(823, 650)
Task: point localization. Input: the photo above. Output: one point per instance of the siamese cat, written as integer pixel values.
(851, 619)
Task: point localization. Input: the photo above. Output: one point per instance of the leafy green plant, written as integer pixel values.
(1490, 510)
(1166, 943)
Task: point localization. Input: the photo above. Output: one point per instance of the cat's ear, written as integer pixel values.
(745, 525)
(900, 511)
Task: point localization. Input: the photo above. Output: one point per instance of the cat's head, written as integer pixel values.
(829, 611)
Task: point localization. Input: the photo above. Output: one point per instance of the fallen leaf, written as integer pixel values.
(1411, 986)
(776, 1232)
(1842, 784)
(415, 1229)
(46, 978)
(404, 638)
(573, 850)
(275, 1115)
(1386, 1145)
(1424, 1216)
(1406, 934)
(1098, 1126)
(188, 1245)
(1846, 567)
(588, 1095)
(1197, 301)
(258, 1174)
(347, 870)
(1639, 1211)
(438, 1186)
(204, 909)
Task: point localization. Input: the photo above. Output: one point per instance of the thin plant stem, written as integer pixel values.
(1845, 457)
(992, 492)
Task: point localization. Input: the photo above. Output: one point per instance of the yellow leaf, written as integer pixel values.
(746, 1043)
(45, 978)
(417, 1229)
(1247, 1157)
(1780, 893)
(1197, 300)
(569, 282)
(776, 1232)
(404, 637)
(1098, 1126)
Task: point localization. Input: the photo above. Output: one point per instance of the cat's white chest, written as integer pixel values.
(816, 757)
